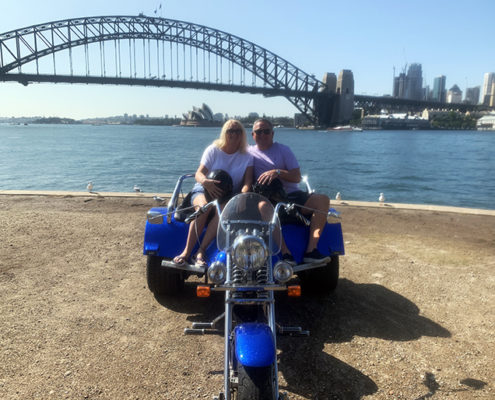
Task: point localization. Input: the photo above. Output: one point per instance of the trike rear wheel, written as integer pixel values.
(162, 280)
(322, 279)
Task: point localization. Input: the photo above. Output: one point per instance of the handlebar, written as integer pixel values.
(200, 211)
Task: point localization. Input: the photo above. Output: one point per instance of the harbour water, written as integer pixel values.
(455, 168)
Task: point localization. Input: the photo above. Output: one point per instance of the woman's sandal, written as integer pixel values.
(179, 260)
(199, 261)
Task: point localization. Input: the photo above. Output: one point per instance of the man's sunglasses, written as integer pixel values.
(266, 131)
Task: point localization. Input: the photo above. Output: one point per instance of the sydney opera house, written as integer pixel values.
(201, 117)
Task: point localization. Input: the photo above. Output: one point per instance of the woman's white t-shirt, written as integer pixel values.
(234, 164)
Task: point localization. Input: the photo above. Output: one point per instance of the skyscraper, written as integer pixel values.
(472, 95)
(400, 86)
(410, 85)
(488, 83)
(438, 93)
(414, 82)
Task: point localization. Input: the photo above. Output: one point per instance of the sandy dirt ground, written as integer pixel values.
(412, 318)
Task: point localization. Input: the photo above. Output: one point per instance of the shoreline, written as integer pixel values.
(334, 203)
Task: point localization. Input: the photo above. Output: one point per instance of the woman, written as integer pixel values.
(228, 153)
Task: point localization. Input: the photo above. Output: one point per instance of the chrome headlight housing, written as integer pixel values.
(217, 272)
(282, 271)
(249, 252)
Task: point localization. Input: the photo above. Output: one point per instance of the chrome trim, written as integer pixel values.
(250, 301)
(184, 267)
(249, 288)
(172, 203)
(304, 267)
(154, 217)
(304, 179)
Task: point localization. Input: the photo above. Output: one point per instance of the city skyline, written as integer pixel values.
(370, 40)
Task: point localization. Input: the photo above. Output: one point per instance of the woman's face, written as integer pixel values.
(234, 134)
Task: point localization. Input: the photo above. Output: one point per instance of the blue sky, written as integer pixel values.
(451, 38)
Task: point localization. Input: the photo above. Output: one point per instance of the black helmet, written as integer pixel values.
(274, 191)
(226, 184)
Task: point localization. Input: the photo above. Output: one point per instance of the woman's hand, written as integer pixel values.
(211, 187)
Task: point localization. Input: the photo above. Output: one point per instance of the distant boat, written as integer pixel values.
(345, 128)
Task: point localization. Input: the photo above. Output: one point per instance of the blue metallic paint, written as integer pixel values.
(254, 345)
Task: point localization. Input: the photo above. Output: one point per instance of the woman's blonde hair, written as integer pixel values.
(222, 140)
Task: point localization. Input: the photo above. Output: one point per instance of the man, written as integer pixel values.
(274, 160)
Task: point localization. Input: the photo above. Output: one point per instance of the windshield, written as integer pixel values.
(251, 214)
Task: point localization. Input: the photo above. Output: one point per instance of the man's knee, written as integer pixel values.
(318, 201)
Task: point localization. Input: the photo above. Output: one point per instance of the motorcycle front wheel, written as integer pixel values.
(256, 383)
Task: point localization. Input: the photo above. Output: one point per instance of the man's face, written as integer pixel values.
(262, 135)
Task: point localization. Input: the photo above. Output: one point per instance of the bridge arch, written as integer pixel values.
(25, 46)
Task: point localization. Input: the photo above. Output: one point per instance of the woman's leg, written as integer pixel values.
(195, 228)
(211, 231)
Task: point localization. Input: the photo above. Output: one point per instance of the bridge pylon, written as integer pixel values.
(335, 103)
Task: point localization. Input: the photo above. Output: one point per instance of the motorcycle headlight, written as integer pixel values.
(217, 272)
(250, 252)
(282, 271)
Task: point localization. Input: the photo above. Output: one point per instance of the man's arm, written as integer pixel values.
(292, 175)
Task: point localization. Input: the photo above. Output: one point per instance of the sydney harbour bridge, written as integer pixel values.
(150, 51)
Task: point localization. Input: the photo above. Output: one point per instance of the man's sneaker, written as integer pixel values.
(315, 256)
(289, 259)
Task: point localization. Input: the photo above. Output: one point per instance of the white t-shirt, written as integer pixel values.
(234, 164)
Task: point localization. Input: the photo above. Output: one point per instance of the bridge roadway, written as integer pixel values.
(374, 103)
(26, 79)
(371, 104)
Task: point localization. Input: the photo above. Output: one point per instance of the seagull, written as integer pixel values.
(158, 198)
(90, 187)
(137, 189)
(338, 197)
(381, 199)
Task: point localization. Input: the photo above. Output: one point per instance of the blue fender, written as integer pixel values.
(331, 240)
(168, 239)
(164, 239)
(254, 345)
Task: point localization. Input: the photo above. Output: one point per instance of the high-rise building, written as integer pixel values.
(410, 85)
(400, 86)
(438, 93)
(426, 93)
(454, 95)
(472, 95)
(414, 82)
(488, 83)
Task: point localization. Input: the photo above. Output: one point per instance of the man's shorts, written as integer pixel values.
(299, 197)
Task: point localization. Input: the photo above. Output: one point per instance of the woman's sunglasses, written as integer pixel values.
(234, 131)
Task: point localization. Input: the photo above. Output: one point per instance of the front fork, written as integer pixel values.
(230, 361)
